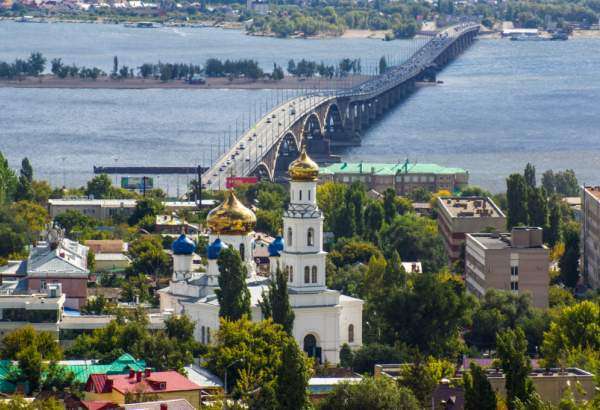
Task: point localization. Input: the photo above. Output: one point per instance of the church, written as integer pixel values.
(324, 318)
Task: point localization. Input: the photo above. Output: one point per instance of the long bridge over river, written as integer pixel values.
(326, 120)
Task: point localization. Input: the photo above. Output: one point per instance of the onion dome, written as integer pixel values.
(214, 249)
(183, 246)
(231, 217)
(276, 246)
(303, 168)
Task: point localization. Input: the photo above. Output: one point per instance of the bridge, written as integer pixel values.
(330, 119)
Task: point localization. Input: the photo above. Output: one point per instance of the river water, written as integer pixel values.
(502, 104)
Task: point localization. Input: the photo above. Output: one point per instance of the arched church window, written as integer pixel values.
(306, 274)
(291, 274)
(310, 237)
(207, 334)
(300, 195)
(203, 337)
(289, 237)
(242, 250)
(351, 334)
(309, 191)
(314, 274)
(310, 345)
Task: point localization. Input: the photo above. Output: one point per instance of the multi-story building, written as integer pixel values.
(517, 262)
(403, 177)
(591, 235)
(458, 216)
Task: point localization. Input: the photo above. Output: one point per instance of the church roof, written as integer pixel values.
(183, 246)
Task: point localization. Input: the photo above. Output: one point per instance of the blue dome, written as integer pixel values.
(183, 246)
(213, 250)
(276, 246)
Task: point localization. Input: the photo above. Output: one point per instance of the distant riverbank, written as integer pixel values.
(51, 81)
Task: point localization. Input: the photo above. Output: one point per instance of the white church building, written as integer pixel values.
(324, 318)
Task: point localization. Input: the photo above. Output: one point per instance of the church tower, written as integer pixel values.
(303, 257)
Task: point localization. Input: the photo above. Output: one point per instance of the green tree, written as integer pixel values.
(479, 394)
(423, 375)
(276, 303)
(382, 65)
(569, 261)
(31, 215)
(380, 393)
(374, 217)
(548, 182)
(516, 192)
(24, 191)
(512, 352)
(293, 374)
(389, 205)
(72, 220)
(148, 257)
(98, 305)
(36, 64)
(554, 231)
(233, 293)
(99, 187)
(537, 207)
(144, 208)
(8, 181)
(576, 327)
(566, 183)
(31, 366)
(529, 175)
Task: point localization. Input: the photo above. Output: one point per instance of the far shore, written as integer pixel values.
(50, 81)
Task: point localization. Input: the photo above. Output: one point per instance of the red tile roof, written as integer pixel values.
(169, 381)
(99, 405)
(97, 383)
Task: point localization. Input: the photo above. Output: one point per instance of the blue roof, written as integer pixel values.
(214, 249)
(183, 246)
(276, 246)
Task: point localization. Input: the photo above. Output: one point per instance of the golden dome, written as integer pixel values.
(303, 168)
(231, 217)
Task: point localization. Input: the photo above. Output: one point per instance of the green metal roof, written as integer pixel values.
(120, 366)
(388, 169)
(7, 386)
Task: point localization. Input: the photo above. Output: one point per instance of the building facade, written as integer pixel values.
(458, 216)
(517, 262)
(403, 178)
(591, 236)
(324, 318)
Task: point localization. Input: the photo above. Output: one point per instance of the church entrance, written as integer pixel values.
(311, 348)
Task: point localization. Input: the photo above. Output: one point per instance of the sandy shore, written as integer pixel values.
(49, 81)
(375, 34)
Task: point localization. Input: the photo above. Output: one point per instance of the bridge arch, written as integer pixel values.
(262, 172)
(287, 151)
(334, 124)
(311, 127)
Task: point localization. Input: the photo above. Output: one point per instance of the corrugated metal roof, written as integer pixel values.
(388, 169)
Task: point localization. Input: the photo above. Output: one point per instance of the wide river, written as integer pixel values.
(502, 104)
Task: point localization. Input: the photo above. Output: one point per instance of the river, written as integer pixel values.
(501, 104)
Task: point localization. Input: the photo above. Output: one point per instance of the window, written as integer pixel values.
(289, 237)
(351, 334)
(514, 271)
(306, 274)
(314, 274)
(309, 194)
(291, 274)
(514, 285)
(207, 334)
(300, 195)
(43, 284)
(203, 334)
(242, 249)
(310, 237)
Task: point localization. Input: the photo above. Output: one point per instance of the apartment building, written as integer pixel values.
(518, 262)
(591, 235)
(458, 216)
(402, 177)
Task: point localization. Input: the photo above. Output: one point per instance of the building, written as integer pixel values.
(83, 369)
(517, 262)
(591, 236)
(458, 216)
(173, 225)
(324, 318)
(43, 311)
(166, 385)
(404, 178)
(110, 255)
(59, 260)
(109, 208)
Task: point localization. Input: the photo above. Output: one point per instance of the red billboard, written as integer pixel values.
(232, 182)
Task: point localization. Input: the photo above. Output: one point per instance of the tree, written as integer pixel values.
(516, 192)
(147, 207)
(374, 217)
(292, 377)
(30, 364)
(233, 294)
(479, 394)
(277, 74)
(72, 220)
(148, 258)
(115, 70)
(423, 375)
(8, 181)
(554, 231)
(276, 303)
(382, 65)
(569, 261)
(379, 393)
(329, 197)
(566, 183)
(537, 207)
(529, 175)
(548, 182)
(512, 349)
(576, 327)
(99, 187)
(389, 205)
(32, 216)
(98, 305)
(24, 189)
(36, 64)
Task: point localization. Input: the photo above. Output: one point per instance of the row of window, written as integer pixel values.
(310, 237)
(310, 275)
(205, 334)
(308, 193)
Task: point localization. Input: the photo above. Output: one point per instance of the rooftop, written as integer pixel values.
(593, 190)
(388, 169)
(66, 258)
(106, 246)
(470, 207)
(147, 381)
(520, 237)
(175, 404)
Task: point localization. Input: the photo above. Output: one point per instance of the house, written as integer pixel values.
(83, 369)
(173, 225)
(110, 255)
(164, 385)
